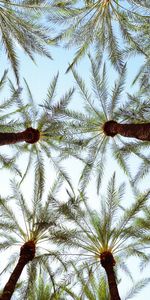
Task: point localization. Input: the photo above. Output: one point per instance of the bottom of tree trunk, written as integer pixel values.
(27, 253)
(110, 128)
(107, 259)
(31, 135)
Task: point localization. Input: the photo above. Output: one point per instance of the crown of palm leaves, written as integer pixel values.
(48, 126)
(90, 129)
(97, 233)
(96, 22)
(38, 220)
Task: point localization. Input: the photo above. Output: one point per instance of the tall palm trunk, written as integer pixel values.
(137, 131)
(30, 135)
(27, 253)
(108, 262)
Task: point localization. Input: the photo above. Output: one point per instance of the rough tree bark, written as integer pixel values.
(27, 254)
(30, 135)
(137, 131)
(108, 262)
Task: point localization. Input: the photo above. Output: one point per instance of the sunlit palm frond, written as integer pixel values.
(18, 24)
(136, 288)
(95, 22)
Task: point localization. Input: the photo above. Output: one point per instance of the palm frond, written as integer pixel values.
(116, 92)
(19, 25)
(136, 289)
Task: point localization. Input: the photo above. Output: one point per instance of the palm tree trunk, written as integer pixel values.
(11, 284)
(30, 135)
(113, 289)
(27, 253)
(137, 131)
(108, 262)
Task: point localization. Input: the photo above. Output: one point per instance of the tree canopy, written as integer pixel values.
(74, 217)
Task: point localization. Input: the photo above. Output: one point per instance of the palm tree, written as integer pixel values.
(19, 24)
(108, 121)
(108, 24)
(105, 238)
(30, 231)
(41, 130)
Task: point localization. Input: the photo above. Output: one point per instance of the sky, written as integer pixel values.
(38, 77)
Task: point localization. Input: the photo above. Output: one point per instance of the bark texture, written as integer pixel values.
(108, 262)
(30, 135)
(137, 131)
(27, 253)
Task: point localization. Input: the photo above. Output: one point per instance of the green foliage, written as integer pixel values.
(8, 118)
(20, 25)
(88, 140)
(92, 232)
(50, 120)
(43, 289)
(93, 286)
(32, 220)
(110, 25)
(69, 235)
